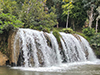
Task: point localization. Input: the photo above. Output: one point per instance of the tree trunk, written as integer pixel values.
(91, 17)
(57, 26)
(96, 25)
(73, 22)
(67, 19)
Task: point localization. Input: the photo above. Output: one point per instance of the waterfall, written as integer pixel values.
(86, 47)
(55, 48)
(72, 48)
(41, 49)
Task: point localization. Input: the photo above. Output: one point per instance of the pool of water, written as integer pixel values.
(80, 69)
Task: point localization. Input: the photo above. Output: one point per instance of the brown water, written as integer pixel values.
(80, 70)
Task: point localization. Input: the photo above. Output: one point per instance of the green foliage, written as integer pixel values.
(19, 3)
(46, 30)
(98, 9)
(68, 30)
(76, 13)
(57, 35)
(67, 8)
(95, 41)
(34, 16)
(89, 32)
(8, 21)
(8, 6)
(57, 4)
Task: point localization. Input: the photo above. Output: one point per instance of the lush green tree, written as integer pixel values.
(57, 4)
(76, 13)
(67, 10)
(34, 16)
(9, 22)
(8, 6)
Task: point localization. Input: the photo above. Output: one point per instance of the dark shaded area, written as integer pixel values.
(20, 61)
(13, 64)
(7, 62)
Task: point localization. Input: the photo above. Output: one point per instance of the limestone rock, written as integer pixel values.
(3, 59)
(13, 58)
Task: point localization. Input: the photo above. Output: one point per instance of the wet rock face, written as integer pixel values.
(13, 58)
(3, 59)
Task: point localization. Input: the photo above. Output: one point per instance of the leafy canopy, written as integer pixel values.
(8, 21)
(8, 6)
(76, 12)
(34, 16)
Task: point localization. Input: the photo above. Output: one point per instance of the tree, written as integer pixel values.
(34, 16)
(90, 5)
(9, 22)
(67, 9)
(98, 9)
(8, 6)
(57, 4)
(77, 13)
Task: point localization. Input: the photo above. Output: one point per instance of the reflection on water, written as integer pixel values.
(81, 70)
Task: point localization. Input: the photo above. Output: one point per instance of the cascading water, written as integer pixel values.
(87, 48)
(36, 52)
(39, 49)
(55, 49)
(72, 48)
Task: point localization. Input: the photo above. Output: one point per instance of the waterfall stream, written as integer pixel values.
(41, 49)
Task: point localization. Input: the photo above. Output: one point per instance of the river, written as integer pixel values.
(79, 69)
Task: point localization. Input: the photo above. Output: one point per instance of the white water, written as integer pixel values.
(86, 46)
(40, 56)
(33, 43)
(60, 68)
(55, 49)
(72, 48)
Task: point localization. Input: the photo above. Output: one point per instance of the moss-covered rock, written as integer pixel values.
(67, 30)
(57, 35)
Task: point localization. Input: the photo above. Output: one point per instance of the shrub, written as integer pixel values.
(67, 30)
(88, 31)
(95, 41)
